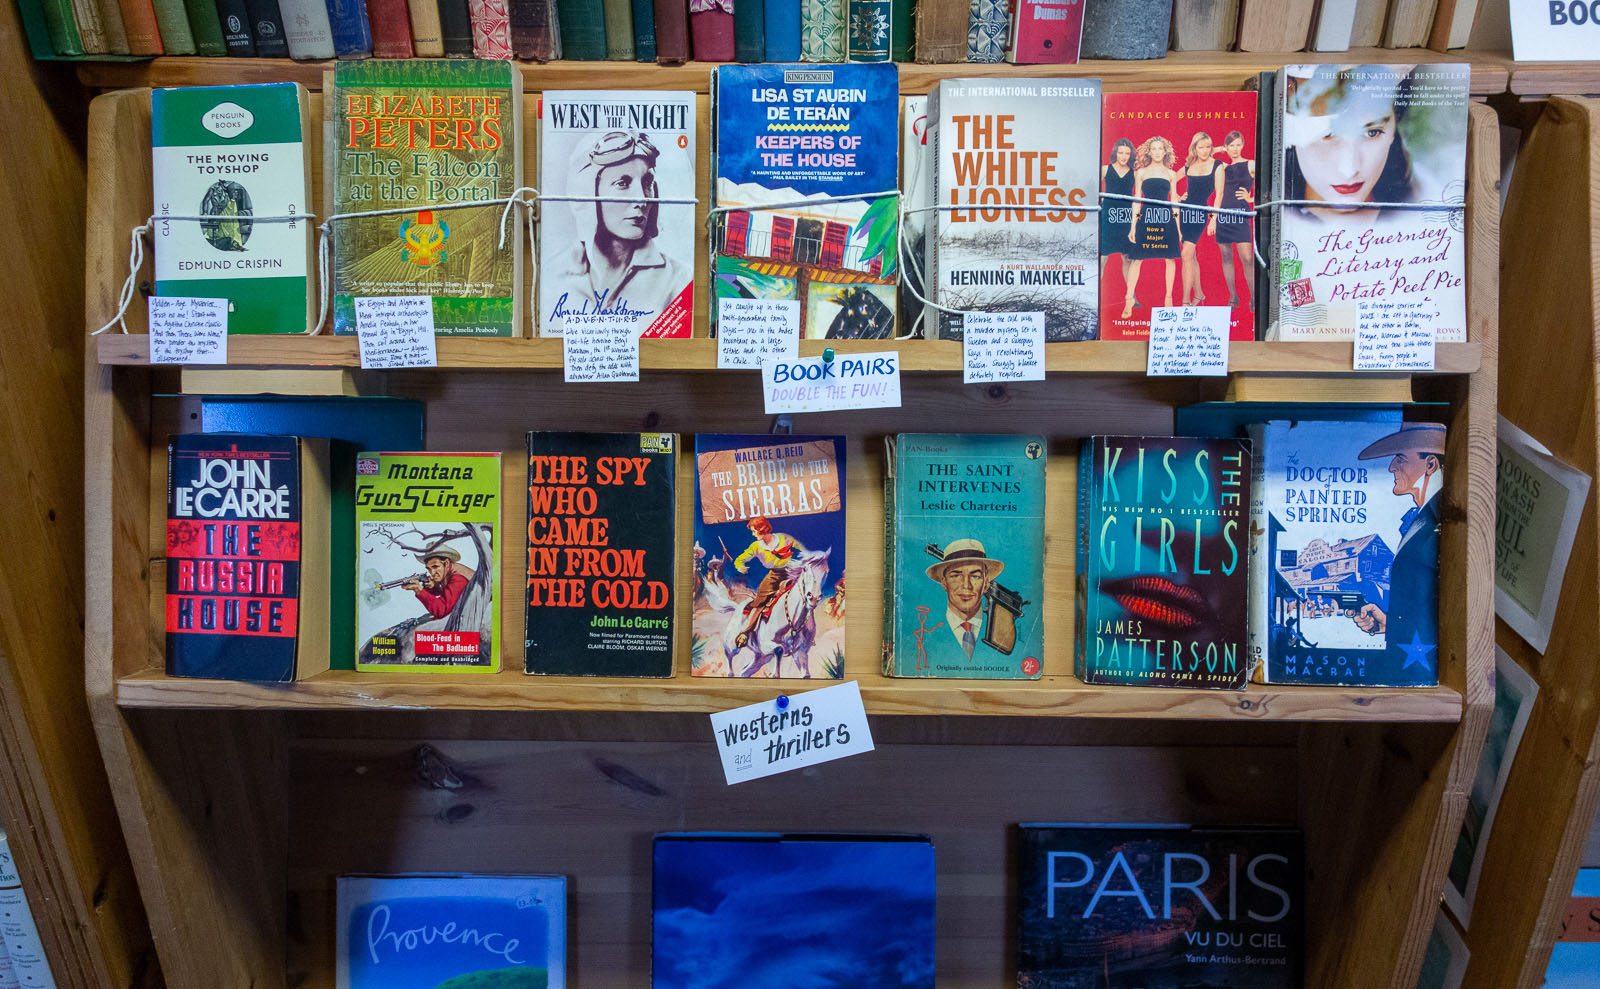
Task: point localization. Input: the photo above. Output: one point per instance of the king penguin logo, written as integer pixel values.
(423, 240)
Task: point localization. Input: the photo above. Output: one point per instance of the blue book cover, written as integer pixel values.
(807, 137)
(1575, 958)
(1344, 553)
(644, 30)
(964, 556)
(452, 932)
(352, 35)
(783, 30)
(769, 556)
(734, 911)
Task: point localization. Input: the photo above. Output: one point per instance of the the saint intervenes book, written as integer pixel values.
(964, 538)
(428, 562)
(1163, 537)
(769, 556)
(422, 135)
(601, 517)
(626, 255)
(235, 153)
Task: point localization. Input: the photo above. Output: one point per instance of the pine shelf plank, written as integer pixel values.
(1536, 79)
(1058, 696)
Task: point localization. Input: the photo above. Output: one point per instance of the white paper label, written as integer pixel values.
(396, 331)
(600, 347)
(1395, 335)
(849, 381)
(1188, 340)
(1555, 30)
(817, 726)
(753, 331)
(1002, 346)
(188, 331)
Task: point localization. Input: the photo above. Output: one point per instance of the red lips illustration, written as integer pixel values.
(1159, 601)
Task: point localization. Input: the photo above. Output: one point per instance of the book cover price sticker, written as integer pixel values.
(1002, 346)
(1188, 340)
(817, 384)
(395, 331)
(600, 347)
(752, 331)
(188, 331)
(1395, 335)
(791, 732)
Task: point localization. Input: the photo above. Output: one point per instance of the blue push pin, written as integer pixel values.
(827, 355)
(783, 702)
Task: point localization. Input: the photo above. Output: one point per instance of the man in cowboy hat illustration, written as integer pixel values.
(776, 551)
(447, 580)
(965, 573)
(1409, 621)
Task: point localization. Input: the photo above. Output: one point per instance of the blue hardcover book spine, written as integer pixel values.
(352, 35)
(870, 26)
(783, 30)
(644, 30)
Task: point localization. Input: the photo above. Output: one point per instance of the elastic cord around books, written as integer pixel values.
(1218, 210)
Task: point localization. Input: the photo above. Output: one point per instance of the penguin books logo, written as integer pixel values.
(227, 120)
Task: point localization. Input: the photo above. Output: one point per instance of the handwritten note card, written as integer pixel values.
(767, 738)
(1002, 346)
(1188, 340)
(396, 331)
(750, 331)
(601, 347)
(849, 381)
(1395, 335)
(188, 331)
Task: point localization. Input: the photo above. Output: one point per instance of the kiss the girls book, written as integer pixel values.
(452, 932)
(1183, 150)
(769, 556)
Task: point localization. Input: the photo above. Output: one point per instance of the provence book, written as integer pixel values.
(821, 140)
(629, 255)
(247, 556)
(428, 562)
(1344, 547)
(1010, 160)
(769, 556)
(1163, 537)
(964, 543)
(601, 518)
(419, 135)
(235, 153)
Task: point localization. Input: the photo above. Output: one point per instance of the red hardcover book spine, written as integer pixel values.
(672, 32)
(1045, 31)
(711, 26)
(391, 28)
(491, 28)
(139, 21)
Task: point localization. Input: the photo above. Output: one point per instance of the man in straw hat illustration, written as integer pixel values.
(1409, 619)
(965, 573)
(447, 580)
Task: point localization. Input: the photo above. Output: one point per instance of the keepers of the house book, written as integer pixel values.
(805, 179)
(608, 243)
(1163, 537)
(769, 556)
(1135, 906)
(247, 556)
(1385, 147)
(451, 932)
(428, 541)
(424, 136)
(235, 153)
(1344, 548)
(964, 556)
(601, 520)
(1011, 158)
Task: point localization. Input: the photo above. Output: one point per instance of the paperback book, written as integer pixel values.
(914, 181)
(428, 562)
(425, 135)
(804, 174)
(1385, 146)
(235, 153)
(964, 556)
(1011, 158)
(1045, 31)
(1162, 545)
(631, 254)
(1344, 547)
(769, 556)
(1182, 150)
(601, 518)
(1136, 906)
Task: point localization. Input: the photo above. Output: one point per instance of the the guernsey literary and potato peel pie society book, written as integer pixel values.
(417, 135)
(234, 153)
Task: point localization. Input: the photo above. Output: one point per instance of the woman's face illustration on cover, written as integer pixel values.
(1343, 164)
(1344, 130)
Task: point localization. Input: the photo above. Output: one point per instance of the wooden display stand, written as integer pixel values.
(241, 803)
(1550, 369)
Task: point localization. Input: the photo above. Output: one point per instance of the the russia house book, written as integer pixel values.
(420, 134)
(428, 562)
(1141, 906)
(247, 556)
(1394, 137)
(810, 137)
(964, 556)
(1163, 537)
(1011, 158)
(235, 153)
(601, 518)
(769, 556)
(1344, 552)
(629, 255)
(444, 931)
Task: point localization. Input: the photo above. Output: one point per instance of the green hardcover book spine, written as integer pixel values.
(582, 27)
(206, 25)
(891, 583)
(901, 47)
(423, 135)
(619, 30)
(1081, 575)
(50, 28)
(173, 23)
